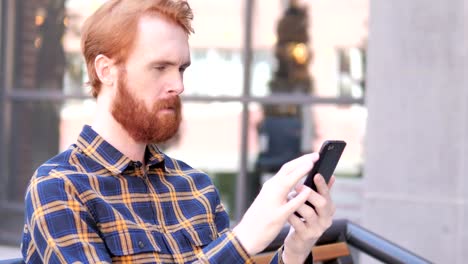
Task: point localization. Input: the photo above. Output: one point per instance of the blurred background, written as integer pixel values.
(270, 80)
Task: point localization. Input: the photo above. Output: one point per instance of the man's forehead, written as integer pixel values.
(161, 39)
(158, 23)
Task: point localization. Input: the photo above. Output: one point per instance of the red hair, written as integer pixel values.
(112, 29)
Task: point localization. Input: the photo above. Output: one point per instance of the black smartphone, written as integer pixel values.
(329, 155)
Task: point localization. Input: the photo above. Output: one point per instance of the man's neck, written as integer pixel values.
(111, 131)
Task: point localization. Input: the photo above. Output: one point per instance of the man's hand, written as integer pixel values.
(305, 231)
(271, 209)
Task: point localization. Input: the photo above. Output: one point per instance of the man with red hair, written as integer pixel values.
(115, 197)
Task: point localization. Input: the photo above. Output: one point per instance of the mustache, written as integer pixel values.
(173, 102)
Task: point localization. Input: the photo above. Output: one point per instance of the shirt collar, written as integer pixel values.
(94, 146)
(154, 156)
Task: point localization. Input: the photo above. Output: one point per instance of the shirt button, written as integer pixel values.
(141, 244)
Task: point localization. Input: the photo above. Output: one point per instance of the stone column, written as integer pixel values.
(416, 171)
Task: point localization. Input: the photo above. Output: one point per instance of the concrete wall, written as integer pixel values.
(415, 189)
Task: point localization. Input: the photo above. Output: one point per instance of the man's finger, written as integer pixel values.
(308, 213)
(291, 195)
(302, 166)
(331, 182)
(322, 203)
(297, 224)
(292, 165)
(322, 186)
(294, 203)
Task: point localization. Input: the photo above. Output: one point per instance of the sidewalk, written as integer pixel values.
(7, 252)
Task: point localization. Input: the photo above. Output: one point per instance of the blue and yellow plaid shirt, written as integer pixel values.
(92, 204)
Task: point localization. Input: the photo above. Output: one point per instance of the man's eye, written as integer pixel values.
(160, 68)
(182, 70)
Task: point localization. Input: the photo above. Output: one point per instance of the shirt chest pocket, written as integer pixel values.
(196, 237)
(133, 241)
(200, 236)
(138, 241)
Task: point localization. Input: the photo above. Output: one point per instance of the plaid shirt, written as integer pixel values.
(91, 204)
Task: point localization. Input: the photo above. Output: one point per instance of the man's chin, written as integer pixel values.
(159, 138)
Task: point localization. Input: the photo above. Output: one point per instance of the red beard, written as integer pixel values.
(142, 125)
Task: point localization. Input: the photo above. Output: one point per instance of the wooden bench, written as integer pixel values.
(326, 252)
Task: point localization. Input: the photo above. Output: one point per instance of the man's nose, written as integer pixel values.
(177, 84)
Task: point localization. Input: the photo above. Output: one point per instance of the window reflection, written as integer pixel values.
(335, 31)
(39, 54)
(282, 138)
(351, 72)
(219, 72)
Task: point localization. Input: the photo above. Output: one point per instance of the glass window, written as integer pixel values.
(214, 72)
(34, 139)
(302, 43)
(278, 139)
(217, 66)
(351, 72)
(47, 102)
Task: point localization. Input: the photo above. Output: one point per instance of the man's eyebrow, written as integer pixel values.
(169, 63)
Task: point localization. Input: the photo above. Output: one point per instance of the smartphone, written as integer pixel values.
(329, 155)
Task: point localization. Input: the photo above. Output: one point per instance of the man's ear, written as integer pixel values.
(105, 70)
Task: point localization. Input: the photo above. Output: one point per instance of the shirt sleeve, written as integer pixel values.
(228, 249)
(58, 227)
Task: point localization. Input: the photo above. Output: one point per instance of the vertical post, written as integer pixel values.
(2, 95)
(8, 16)
(415, 184)
(241, 181)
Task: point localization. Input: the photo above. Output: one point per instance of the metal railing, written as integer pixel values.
(361, 239)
